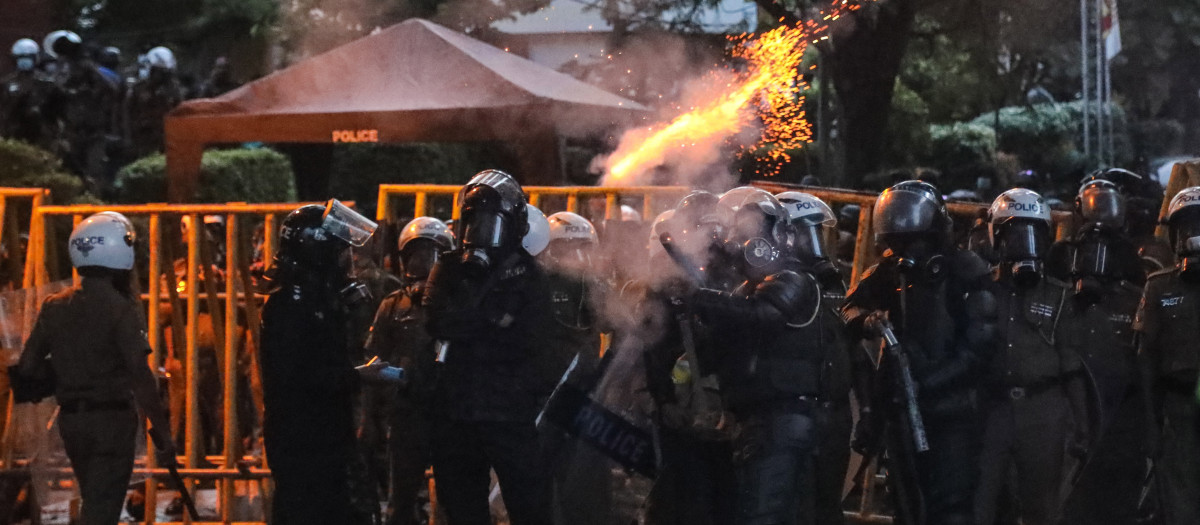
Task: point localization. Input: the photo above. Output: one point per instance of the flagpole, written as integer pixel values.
(1101, 154)
(1083, 76)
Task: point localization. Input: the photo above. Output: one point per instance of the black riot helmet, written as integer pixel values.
(1101, 205)
(811, 221)
(757, 231)
(314, 241)
(492, 217)
(1019, 230)
(911, 220)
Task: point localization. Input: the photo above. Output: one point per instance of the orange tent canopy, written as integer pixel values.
(415, 81)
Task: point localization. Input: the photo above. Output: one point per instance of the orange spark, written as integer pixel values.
(769, 93)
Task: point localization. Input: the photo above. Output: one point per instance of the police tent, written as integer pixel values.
(414, 81)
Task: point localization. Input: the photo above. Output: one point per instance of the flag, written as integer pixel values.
(1110, 28)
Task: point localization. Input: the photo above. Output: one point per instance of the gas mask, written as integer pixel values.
(26, 63)
(1092, 265)
(493, 219)
(811, 250)
(418, 258)
(571, 257)
(1021, 246)
(1185, 235)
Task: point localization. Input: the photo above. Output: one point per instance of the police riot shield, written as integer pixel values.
(34, 460)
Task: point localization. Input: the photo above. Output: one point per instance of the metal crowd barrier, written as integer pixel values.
(653, 198)
(223, 307)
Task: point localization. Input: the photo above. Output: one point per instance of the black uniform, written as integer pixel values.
(86, 102)
(1034, 403)
(23, 95)
(1168, 322)
(398, 336)
(95, 338)
(944, 317)
(491, 387)
(846, 367)
(308, 387)
(147, 103)
(581, 476)
(769, 351)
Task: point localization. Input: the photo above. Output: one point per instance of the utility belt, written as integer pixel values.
(77, 406)
(1017, 393)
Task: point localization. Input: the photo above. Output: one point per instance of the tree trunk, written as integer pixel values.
(864, 64)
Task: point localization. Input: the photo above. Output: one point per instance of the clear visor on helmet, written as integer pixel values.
(1185, 231)
(1022, 240)
(347, 224)
(1102, 206)
(482, 229)
(810, 241)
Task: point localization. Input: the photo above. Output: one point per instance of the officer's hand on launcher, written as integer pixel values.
(874, 323)
(164, 447)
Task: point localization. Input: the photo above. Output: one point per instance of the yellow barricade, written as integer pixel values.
(652, 198)
(223, 308)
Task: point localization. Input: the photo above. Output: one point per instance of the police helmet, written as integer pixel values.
(104, 240)
(426, 228)
(25, 47)
(1019, 224)
(161, 58)
(662, 224)
(909, 208)
(758, 230)
(537, 237)
(60, 42)
(569, 226)
(1101, 204)
(806, 209)
(313, 237)
(1183, 221)
(629, 214)
(109, 57)
(492, 212)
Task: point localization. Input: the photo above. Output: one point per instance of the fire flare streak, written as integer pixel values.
(770, 92)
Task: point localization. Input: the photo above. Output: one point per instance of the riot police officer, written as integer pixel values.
(487, 304)
(1168, 324)
(23, 93)
(1101, 263)
(85, 103)
(768, 344)
(308, 381)
(398, 336)
(695, 481)
(937, 298)
(93, 338)
(1035, 397)
(581, 476)
(148, 102)
(845, 365)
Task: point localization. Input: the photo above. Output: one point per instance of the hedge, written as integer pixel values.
(250, 175)
(26, 166)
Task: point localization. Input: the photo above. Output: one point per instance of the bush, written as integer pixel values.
(26, 166)
(250, 175)
(962, 152)
(1046, 137)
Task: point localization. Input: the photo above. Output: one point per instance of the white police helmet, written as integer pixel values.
(55, 36)
(161, 57)
(629, 214)
(1183, 219)
(807, 209)
(427, 228)
(538, 236)
(660, 227)
(105, 240)
(1017, 203)
(569, 226)
(25, 47)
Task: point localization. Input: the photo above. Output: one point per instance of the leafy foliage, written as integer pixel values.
(26, 166)
(250, 175)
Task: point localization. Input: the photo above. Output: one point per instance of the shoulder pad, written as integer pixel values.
(793, 294)
(968, 265)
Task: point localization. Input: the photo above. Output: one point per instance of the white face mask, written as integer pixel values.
(25, 63)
